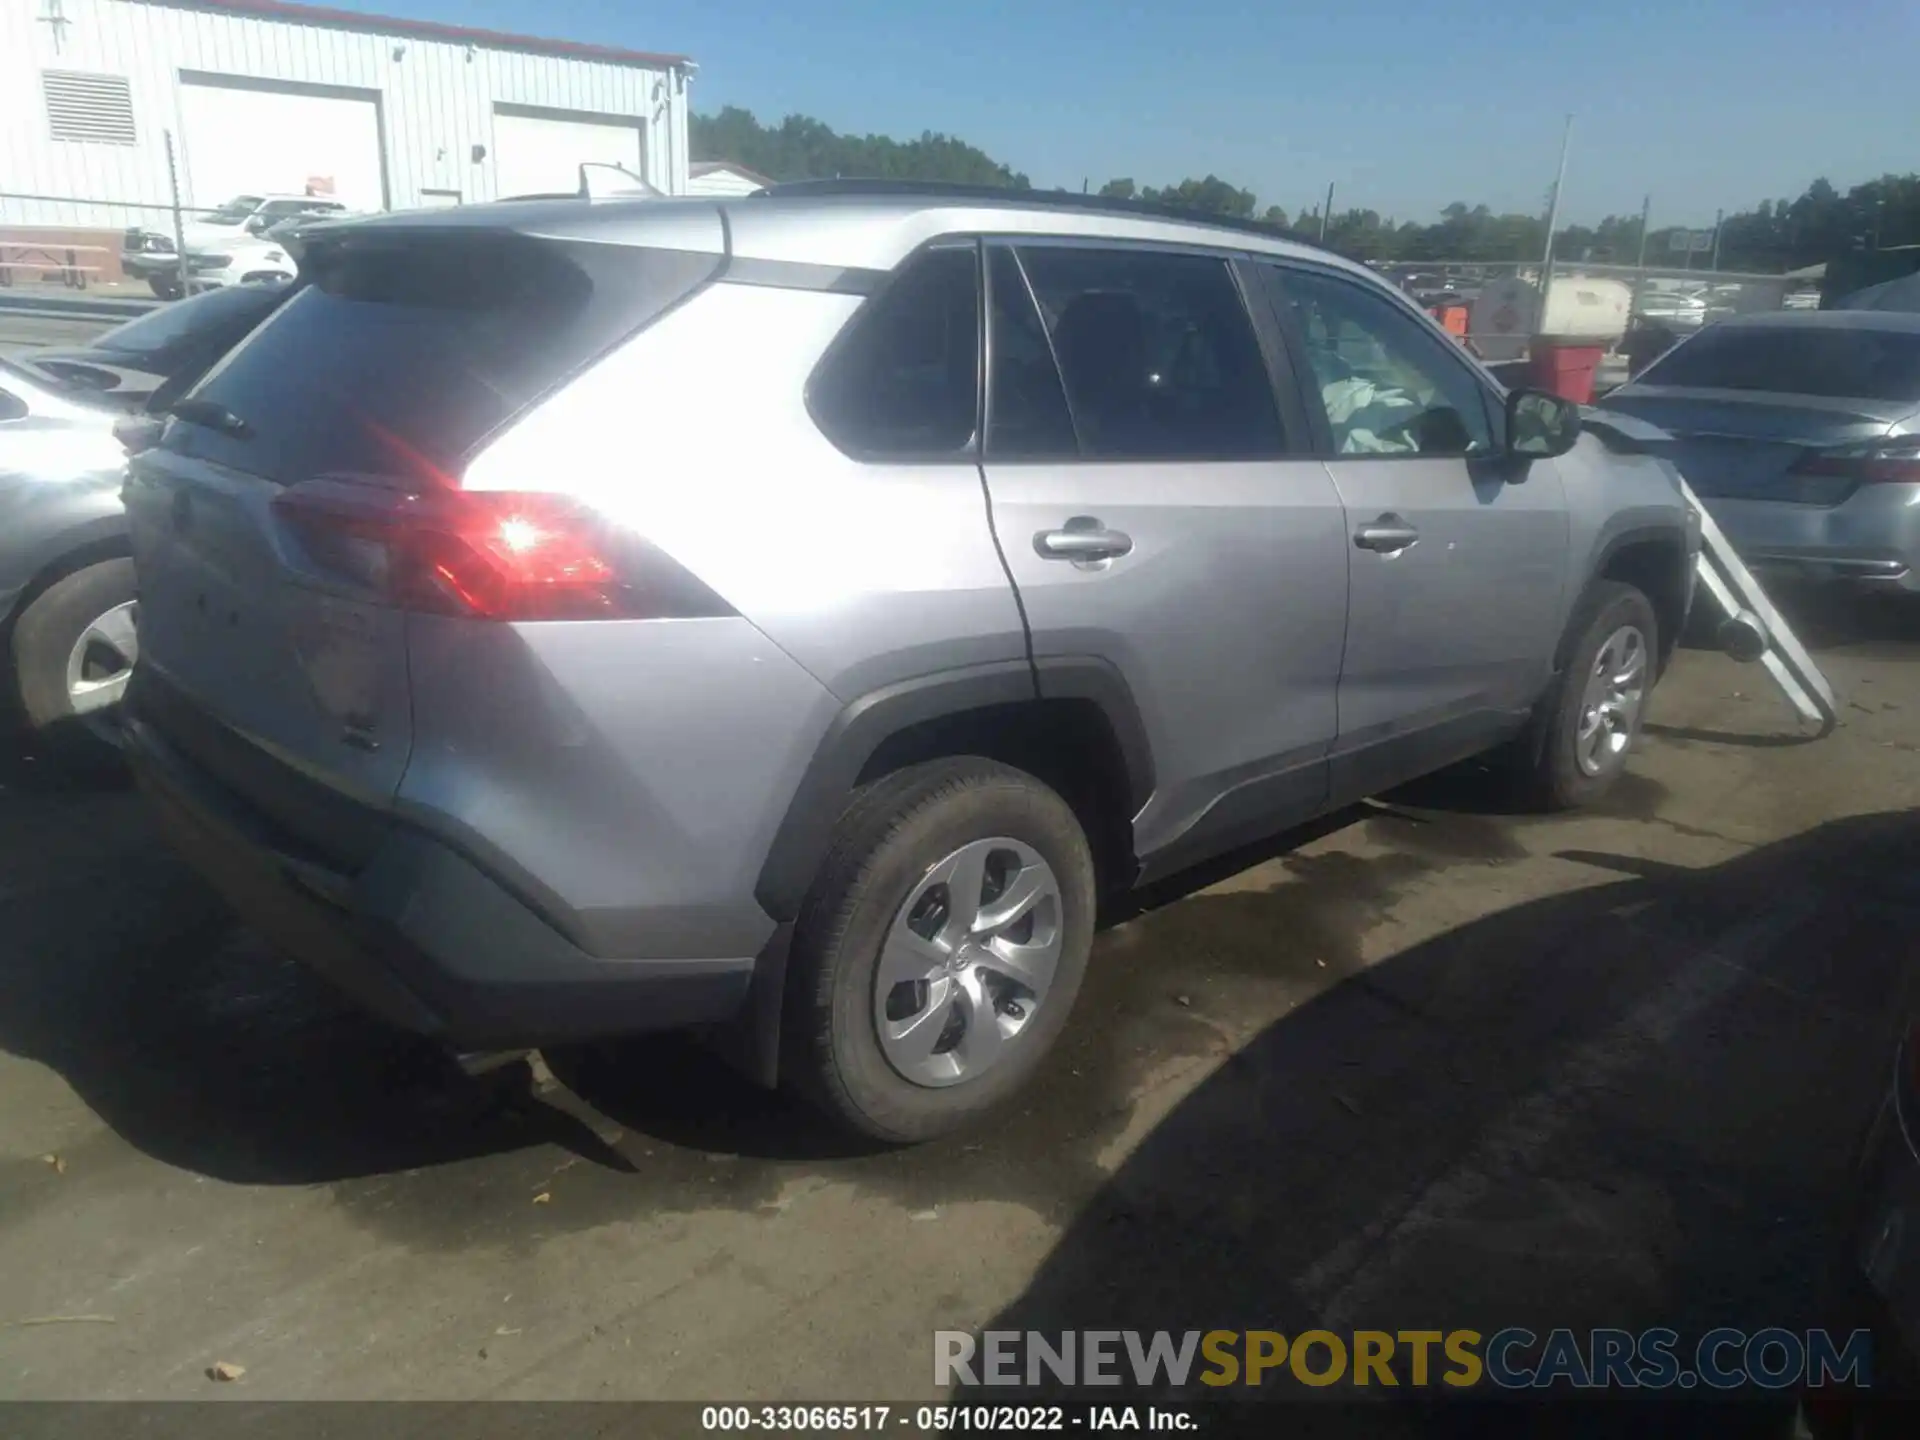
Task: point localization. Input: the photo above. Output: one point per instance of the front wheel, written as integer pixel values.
(937, 957)
(166, 287)
(1592, 717)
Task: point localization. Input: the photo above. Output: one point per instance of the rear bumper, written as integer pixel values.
(1872, 538)
(420, 935)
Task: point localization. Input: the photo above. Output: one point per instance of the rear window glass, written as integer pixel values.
(232, 309)
(405, 351)
(1833, 364)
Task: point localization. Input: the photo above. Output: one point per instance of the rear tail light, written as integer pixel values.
(488, 555)
(1874, 462)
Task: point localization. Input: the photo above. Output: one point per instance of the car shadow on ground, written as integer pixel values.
(194, 1040)
(1627, 1104)
(1630, 1105)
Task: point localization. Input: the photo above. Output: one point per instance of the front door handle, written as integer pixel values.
(1388, 535)
(1082, 538)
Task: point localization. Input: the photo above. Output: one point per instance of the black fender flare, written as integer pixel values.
(805, 831)
(1603, 557)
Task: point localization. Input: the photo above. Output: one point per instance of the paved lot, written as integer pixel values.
(1435, 1067)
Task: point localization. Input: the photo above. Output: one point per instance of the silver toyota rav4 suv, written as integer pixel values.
(789, 615)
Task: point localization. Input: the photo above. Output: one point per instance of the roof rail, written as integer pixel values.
(1037, 200)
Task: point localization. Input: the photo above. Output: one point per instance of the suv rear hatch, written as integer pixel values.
(268, 523)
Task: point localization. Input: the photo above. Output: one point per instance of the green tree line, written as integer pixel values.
(1774, 235)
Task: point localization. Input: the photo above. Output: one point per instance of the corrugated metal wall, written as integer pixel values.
(437, 100)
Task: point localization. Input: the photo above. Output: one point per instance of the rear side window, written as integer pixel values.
(903, 382)
(408, 349)
(1158, 354)
(1830, 363)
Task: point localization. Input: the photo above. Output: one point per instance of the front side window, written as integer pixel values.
(1158, 354)
(12, 407)
(1387, 385)
(1027, 415)
(904, 382)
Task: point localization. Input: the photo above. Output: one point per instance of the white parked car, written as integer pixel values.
(249, 259)
(1672, 308)
(148, 253)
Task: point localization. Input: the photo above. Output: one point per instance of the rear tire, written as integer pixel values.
(943, 850)
(1588, 724)
(56, 644)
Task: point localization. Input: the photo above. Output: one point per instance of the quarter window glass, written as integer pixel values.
(905, 382)
(1158, 353)
(1027, 409)
(1389, 387)
(12, 407)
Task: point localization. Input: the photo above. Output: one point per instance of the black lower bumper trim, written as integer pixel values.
(420, 936)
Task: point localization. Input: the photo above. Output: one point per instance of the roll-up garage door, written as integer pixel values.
(252, 137)
(540, 151)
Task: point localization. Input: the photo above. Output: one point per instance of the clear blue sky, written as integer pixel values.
(1404, 104)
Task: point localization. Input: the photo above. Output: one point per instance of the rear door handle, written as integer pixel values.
(1082, 538)
(1386, 535)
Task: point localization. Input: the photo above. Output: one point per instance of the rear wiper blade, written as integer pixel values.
(212, 415)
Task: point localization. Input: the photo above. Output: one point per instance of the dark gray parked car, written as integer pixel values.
(787, 614)
(1800, 432)
(152, 359)
(67, 610)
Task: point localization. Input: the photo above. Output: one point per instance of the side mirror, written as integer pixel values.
(257, 225)
(1540, 426)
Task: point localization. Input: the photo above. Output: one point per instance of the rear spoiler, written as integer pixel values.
(1625, 434)
(597, 182)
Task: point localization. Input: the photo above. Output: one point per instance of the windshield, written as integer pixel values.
(234, 211)
(1832, 364)
(234, 308)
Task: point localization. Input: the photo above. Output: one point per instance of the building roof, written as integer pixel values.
(709, 167)
(427, 30)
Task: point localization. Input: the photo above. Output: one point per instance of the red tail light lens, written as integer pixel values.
(1877, 462)
(487, 555)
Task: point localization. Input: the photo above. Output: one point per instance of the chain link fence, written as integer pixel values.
(78, 242)
(1633, 312)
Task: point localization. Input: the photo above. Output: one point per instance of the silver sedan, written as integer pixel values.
(1801, 433)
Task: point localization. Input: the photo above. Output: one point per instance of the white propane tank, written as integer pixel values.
(1505, 314)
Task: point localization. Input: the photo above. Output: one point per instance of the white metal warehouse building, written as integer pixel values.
(261, 96)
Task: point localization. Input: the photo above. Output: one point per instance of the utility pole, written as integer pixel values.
(1553, 218)
(1326, 211)
(1719, 216)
